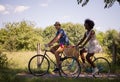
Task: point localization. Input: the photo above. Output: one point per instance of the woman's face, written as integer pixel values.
(86, 26)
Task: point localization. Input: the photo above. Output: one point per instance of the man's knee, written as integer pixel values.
(56, 53)
(52, 51)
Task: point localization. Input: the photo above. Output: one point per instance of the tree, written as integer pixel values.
(73, 31)
(112, 42)
(48, 34)
(3, 60)
(108, 3)
(19, 36)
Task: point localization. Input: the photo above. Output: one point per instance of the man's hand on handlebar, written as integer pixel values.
(48, 45)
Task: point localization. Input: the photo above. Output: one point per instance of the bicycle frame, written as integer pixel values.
(45, 55)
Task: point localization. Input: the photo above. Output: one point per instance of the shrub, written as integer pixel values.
(3, 60)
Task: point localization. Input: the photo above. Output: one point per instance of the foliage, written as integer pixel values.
(110, 36)
(18, 72)
(48, 33)
(111, 43)
(108, 3)
(3, 60)
(19, 36)
(24, 36)
(74, 32)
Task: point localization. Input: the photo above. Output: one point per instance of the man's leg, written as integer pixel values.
(56, 51)
(54, 48)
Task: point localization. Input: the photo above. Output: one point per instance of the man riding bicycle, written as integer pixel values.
(62, 40)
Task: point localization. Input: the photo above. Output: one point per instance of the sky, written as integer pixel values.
(46, 12)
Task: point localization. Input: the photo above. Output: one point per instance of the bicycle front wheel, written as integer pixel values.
(103, 66)
(70, 67)
(38, 65)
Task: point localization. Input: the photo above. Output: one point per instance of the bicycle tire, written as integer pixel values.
(103, 66)
(38, 67)
(69, 68)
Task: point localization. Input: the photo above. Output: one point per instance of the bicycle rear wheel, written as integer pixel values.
(70, 67)
(103, 66)
(38, 65)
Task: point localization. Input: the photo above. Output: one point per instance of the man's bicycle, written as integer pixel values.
(39, 65)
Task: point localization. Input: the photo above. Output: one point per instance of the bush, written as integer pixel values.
(3, 60)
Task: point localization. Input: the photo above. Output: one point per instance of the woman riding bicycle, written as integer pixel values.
(93, 46)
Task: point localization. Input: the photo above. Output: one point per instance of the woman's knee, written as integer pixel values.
(52, 51)
(87, 57)
(83, 51)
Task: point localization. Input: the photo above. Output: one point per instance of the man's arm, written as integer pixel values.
(55, 39)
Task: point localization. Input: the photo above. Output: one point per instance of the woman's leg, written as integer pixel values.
(88, 57)
(95, 69)
(82, 54)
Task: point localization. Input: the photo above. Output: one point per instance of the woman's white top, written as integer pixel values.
(93, 45)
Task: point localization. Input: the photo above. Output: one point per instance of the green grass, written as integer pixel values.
(66, 80)
(19, 62)
(9, 75)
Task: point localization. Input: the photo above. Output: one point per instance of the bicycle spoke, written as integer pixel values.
(104, 67)
(38, 65)
(70, 67)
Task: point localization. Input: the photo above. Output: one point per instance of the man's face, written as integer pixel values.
(57, 26)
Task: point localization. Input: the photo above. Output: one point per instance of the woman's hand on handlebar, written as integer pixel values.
(81, 46)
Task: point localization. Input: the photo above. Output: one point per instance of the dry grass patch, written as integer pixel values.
(20, 60)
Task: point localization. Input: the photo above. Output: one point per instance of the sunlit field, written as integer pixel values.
(19, 60)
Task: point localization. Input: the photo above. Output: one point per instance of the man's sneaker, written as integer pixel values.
(95, 70)
(56, 69)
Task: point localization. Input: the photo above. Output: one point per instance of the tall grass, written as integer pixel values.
(19, 60)
(19, 63)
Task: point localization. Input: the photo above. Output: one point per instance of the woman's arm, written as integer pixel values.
(89, 37)
(82, 40)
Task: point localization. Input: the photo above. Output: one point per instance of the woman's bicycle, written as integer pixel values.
(101, 63)
(103, 66)
(39, 65)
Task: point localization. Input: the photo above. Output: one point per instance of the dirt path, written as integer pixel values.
(54, 75)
